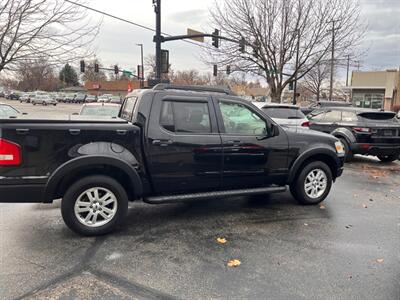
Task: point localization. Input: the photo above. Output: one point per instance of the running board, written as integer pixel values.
(218, 194)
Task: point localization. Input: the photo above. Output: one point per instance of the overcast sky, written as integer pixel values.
(116, 42)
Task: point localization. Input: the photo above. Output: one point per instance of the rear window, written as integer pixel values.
(284, 112)
(128, 108)
(379, 116)
(110, 111)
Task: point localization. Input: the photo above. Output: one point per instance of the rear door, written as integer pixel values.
(183, 145)
(252, 158)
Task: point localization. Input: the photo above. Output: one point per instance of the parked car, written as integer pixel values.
(24, 98)
(116, 100)
(7, 111)
(44, 100)
(59, 97)
(14, 95)
(170, 144)
(324, 104)
(285, 114)
(69, 98)
(103, 98)
(100, 109)
(91, 98)
(80, 98)
(362, 131)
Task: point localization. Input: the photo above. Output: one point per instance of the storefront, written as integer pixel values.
(369, 98)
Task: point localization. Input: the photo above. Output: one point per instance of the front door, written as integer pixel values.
(183, 145)
(253, 155)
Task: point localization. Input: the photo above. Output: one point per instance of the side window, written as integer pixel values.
(349, 116)
(128, 108)
(238, 119)
(185, 117)
(333, 116)
(316, 115)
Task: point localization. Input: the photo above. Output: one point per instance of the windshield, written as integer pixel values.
(284, 112)
(110, 111)
(7, 111)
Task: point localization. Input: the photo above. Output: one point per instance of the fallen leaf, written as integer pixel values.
(380, 260)
(371, 200)
(365, 206)
(221, 240)
(349, 226)
(322, 207)
(233, 263)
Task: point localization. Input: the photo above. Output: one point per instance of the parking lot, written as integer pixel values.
(346, 248)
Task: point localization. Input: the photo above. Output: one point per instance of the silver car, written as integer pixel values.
(44, 100)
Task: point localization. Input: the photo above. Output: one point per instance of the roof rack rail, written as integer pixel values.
(196, 88)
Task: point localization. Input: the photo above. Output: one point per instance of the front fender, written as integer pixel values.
(345, 134)
(316, 151)
(87, 162)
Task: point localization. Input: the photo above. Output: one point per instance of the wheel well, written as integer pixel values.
(319, 157)
(105, 170)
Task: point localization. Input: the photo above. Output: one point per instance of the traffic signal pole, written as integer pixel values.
(158, 38)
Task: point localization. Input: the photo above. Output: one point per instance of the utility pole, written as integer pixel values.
(141, 75)
(297, 67)
(348, 67)
(158, 38)
(332, 58)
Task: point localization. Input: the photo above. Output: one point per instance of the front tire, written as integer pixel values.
(388, 158)
(312, 184)
(94, 205)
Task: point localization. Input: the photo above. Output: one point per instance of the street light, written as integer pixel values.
(142, 75)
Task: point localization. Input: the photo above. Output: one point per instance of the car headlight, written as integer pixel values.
(339, 147)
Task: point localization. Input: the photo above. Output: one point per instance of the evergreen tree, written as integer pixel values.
(69, 76)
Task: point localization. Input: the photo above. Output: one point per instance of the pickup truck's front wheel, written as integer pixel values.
(312, 184)
(94, 205)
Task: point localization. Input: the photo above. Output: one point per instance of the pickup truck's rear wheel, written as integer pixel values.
(313, 183)
(94, 205)
(388, 158)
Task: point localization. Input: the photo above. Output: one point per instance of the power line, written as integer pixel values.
(125, 20)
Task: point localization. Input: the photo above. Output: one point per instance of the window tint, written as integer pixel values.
(185, 117)
(284, 112)
(333, 116)
(238, 119)
(349, 116)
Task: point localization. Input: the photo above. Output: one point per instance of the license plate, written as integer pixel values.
(388, 133)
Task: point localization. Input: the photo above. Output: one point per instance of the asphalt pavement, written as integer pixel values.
(346, 248)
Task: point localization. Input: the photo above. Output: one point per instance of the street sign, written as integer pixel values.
(127, 73)
(195, 32)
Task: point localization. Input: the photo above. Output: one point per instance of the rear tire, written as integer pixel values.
(312, 184)
(388, 158)
(94, 205)
(349, 155)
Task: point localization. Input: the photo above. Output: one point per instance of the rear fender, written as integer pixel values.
(345, 134)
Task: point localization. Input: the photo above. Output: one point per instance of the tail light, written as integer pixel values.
(306, 124)
(362, 129)
(10, 153)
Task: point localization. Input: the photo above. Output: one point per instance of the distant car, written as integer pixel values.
(285, 114)
(91, 98)
(100, 109)
(79, 98)
(14, 95)
(24, 98)
(69, 98)
(44, 100)
(7, 111)
(116, 100)
(104, 99)
(323, 104)
(59, 97)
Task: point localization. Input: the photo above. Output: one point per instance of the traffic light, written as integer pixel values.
(116, 70)
(242, 45)
(228, 70)
(164, 61)
(96, 68)
(215, 38)
(215, 71)
(82, 66)
(291, 86)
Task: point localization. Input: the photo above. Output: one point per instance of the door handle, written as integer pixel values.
(122, 132)
(74, 131)
(162, 143)
(22, 131)
(233, 143)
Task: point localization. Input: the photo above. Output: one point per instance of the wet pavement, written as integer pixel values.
(347, 248)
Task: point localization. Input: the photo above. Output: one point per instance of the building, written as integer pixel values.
(117, 87)
(376, 89)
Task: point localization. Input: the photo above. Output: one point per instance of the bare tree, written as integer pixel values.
(91, 75)
(37, 75)
(54, 30)
(273, 29)
(150, 66)
(316, 77)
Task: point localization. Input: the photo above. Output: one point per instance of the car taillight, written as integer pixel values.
(10, 153)
(306, 124)
(362, 129)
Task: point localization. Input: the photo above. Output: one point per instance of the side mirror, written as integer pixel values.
(274, 130)
(75, 114)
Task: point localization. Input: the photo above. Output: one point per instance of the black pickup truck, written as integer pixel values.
(170, 144)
